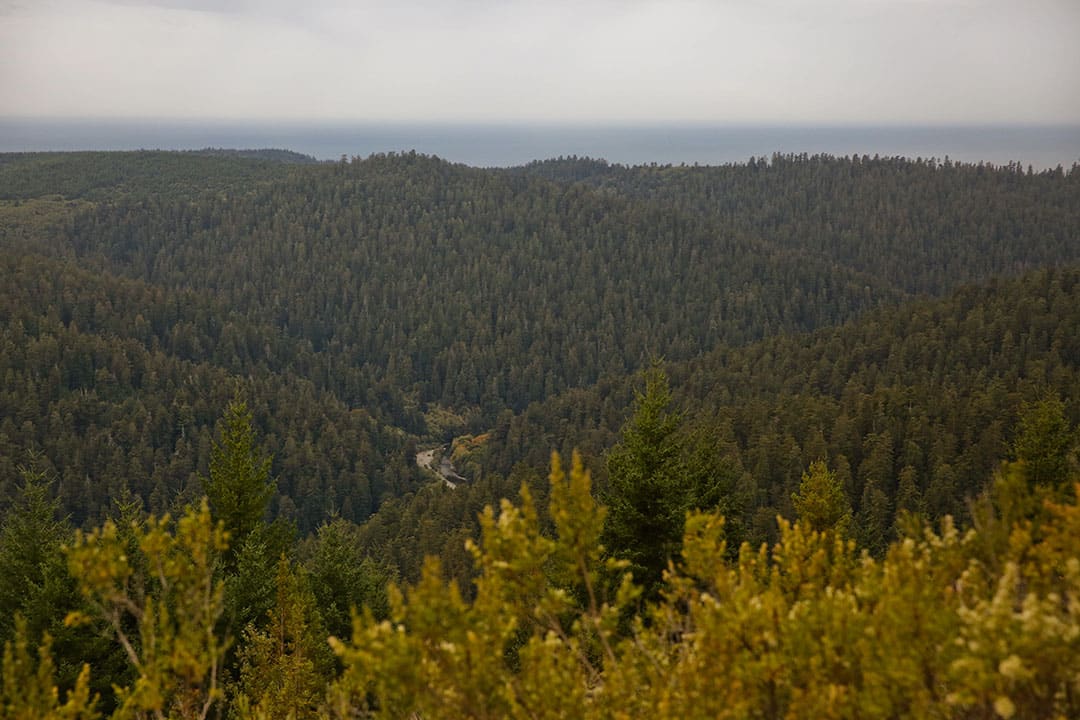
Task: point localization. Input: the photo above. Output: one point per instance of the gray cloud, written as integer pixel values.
(591, 60)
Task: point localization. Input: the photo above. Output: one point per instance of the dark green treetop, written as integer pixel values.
(1044, 442)
(239, 487)
(648, 497)
(820, 501)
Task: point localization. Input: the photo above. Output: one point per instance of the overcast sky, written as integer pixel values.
(635, 61)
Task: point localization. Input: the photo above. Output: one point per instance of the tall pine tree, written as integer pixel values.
(239, 487)
(648, 497)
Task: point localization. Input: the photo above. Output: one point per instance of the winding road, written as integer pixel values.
(426, 460)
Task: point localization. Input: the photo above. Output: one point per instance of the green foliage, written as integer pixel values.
(821, 504)
(239, 486)
(119, 386)
(127, 318)
(249, 580)
(805, 629)
(38, 590)
(1021, 635)
(929, 391)
(36, 584)
(344, 578)
(124, 175)
(656, 473)
(810, 627)
(28, 689)
(472, 277)
(888, 218)
(1045, 442)
(154, 586)
(284, 668)
(647, 497)
(440, 656)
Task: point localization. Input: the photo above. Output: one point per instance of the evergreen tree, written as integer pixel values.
(35, 581)
(821, 503)
(1044, 443)
(648, 496)
(239, 487)
(908, 499)
(875, 518)
(344, 578)
(285, 668)
(249, 582)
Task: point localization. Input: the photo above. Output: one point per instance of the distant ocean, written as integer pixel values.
(504, 145)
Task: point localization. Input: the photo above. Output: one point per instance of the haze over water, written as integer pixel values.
(505, 145)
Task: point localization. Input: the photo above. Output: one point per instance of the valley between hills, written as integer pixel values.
(608, 425)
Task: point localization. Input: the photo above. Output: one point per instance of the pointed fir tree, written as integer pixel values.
(821, 503)
(648, 497)
(344, 578)
(875, 519)
(1044, 443)
(285, 668)
(35, 582)
(239, 487)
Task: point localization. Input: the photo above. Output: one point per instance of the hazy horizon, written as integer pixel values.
(610, 62)
(506, 144)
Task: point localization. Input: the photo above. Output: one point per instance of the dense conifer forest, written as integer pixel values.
(814, 423)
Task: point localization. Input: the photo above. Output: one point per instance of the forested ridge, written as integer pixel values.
(110, 176)
(882, 351)
(923, 226)
(118, 387)
(432, 276)
(913, 407)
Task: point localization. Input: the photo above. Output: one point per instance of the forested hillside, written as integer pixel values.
(118, 386)
(435, 298)
(483, 290)
(111, 176)
(912, 407)
(469, 288)
(259, 346)
(923, 226)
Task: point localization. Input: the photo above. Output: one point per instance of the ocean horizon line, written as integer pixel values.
(510, 144)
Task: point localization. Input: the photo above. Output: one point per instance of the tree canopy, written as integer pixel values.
(222, 371)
